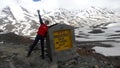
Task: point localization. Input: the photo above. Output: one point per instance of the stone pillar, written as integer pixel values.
(61, 43)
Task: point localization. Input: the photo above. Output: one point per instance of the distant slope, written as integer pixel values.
(28, 24)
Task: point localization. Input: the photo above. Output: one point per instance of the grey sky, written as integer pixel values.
(87, 3)
(69, 4)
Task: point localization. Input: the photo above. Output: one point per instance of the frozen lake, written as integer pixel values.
(111, 36)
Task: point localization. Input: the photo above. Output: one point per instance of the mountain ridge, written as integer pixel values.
(78, 18)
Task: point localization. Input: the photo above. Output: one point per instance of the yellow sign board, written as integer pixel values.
(62, 40)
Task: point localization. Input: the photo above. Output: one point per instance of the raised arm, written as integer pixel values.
(40, 19)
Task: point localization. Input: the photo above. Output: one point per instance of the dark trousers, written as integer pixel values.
(41, 38)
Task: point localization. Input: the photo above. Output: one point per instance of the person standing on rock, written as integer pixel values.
(41, 34)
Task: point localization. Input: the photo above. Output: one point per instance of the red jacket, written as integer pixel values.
(42, 30)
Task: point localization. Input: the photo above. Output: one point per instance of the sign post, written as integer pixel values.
(62, 40)
(61, 43)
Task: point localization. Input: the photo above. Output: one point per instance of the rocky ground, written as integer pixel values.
(14, 48)
(87, 51)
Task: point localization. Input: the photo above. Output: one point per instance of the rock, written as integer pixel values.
(96, 66)
(117, 31)
(14, 38)
(104, 27)
(1, 30)
(85, 51)
(96, 31)
(3, 56)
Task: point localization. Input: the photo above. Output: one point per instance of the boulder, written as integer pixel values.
(96, 31)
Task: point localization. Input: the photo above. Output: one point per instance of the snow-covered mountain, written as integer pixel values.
(10, 23)
(23, 22)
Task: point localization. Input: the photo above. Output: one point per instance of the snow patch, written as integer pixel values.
(109, 51)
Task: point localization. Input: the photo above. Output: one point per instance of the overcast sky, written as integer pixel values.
(69, 4)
